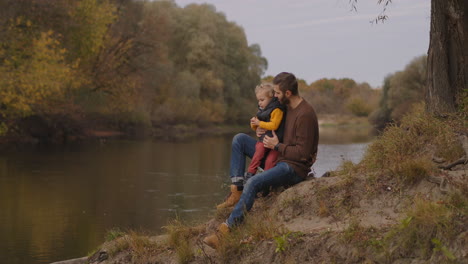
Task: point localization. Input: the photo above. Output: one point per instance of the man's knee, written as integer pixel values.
(238, 138)
(254, 183)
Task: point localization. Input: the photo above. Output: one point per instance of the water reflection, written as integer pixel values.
(338, 144)
(58, 203)
(346, 134)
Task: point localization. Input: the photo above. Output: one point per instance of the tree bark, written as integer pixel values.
(447, 70)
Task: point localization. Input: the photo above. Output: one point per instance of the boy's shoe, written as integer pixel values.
(214, 239)
(232, 199)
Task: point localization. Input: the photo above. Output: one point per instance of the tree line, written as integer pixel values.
(67, 66)
(71, 64)
(341, 97)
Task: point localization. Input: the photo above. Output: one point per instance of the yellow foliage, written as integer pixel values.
(34, 73)
(93, 19)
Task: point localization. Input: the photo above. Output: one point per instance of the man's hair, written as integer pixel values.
(286, 81)
(265, 88)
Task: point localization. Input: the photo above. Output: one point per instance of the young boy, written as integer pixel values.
(270, 117)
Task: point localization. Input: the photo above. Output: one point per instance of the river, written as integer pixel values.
(57, 203)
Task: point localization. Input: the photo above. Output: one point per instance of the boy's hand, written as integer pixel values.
(270, 142)
(254, 121)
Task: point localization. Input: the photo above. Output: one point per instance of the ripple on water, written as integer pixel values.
(176, 194)
(158, 173)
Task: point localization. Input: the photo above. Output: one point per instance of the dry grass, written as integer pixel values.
(259, 226)
(292, 201)
(428, 225)
(181, 238)
(323, 210)
(140, 247)
(366, 239)
(413, 170)
(339, 198)
(404, 152)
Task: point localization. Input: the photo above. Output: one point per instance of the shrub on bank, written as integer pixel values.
(405, 151)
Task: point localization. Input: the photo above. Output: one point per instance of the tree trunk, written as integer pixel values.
(447, 70)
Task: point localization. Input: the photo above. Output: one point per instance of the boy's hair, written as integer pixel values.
(266, 88)
(286, 81)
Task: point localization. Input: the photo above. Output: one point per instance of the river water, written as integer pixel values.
(58, 203)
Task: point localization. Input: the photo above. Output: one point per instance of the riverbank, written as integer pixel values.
(100, 134)
(292, 226)
(406, 202)
(36, 131)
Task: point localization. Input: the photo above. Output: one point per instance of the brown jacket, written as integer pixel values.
(301, 135)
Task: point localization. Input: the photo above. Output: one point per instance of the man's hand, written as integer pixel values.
(270, 142)
(260, 131)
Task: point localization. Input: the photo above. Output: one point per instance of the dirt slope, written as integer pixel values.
(321, 220)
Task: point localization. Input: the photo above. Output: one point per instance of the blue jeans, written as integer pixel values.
(243, 146)
(280, 175)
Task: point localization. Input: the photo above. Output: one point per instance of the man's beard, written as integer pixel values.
(284, 101)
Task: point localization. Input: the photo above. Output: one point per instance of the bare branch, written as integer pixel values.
(381, 17)
(353, 4)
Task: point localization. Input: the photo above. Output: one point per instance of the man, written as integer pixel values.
(297, 154)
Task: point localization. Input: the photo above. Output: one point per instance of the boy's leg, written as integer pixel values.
(271, 159)
(281, 174)
(257, 157)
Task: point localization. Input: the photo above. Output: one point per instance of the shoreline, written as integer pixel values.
(166, 133)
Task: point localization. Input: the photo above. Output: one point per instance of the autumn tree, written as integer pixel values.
(34, 74)
(401, 90)
(209, 68)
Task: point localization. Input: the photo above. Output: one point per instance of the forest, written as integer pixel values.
(68, 68)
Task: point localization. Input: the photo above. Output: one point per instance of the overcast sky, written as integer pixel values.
(317, 39)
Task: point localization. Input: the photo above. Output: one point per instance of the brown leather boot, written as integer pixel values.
(214, 239)
(233, 198)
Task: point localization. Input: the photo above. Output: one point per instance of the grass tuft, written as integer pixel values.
(413, 170)
(359, 236)
(179, 238)
(425, 223)
(114, 234)
(257, 227)
(323, 210)
(140, 246)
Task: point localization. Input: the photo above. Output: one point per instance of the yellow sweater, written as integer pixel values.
(275, 120)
